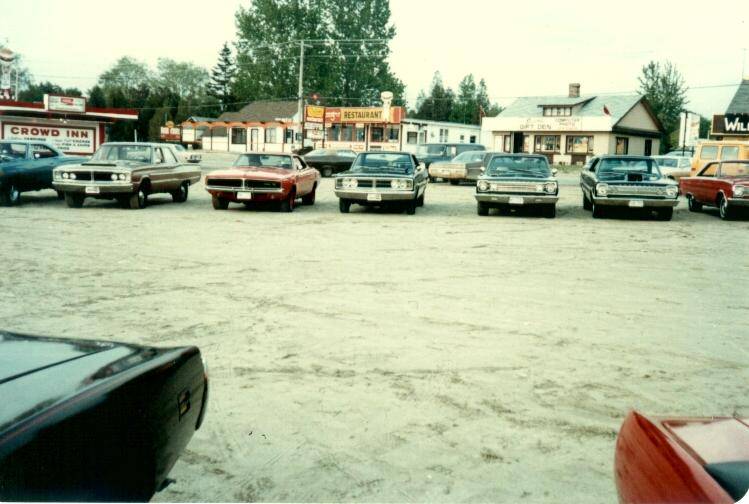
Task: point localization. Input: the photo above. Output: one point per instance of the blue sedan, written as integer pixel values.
(27, 166)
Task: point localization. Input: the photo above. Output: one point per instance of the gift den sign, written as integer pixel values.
(731, 124)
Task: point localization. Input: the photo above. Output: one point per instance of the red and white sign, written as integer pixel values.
(68, 139)
(66, 103)
(170, 134)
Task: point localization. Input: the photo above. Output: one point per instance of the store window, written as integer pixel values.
(472, 139)
(412, 137)
(508, 142)
(462, 139)
(527, 144)
(347, 133)
(238, 136)
(622, 145)
(579, 144)
(423, 136)
(376, 134)
(393, 132)
(548, 143)
(289, 135)
(557, 111)
(270, 135)
(360, 134)
(334, 133)
(443, 135)
(729, 152)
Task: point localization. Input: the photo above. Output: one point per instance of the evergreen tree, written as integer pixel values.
(665, 90)
(222, 78)
(96, 97)
(438, 105)
(36, 92)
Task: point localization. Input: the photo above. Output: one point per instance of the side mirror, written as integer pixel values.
(554, 171)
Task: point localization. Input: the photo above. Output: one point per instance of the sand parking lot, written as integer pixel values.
(385, 357)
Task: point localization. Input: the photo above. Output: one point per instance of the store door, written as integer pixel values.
(253, 139)
(648, 147)
(517, 143)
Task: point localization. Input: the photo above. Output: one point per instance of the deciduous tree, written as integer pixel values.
(665, 90)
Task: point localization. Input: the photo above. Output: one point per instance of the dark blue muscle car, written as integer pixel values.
(27, 166)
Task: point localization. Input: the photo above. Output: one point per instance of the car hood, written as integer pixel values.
(739, 180)
(253, 172)
(127, 165)
(494, 178)
(348, 174)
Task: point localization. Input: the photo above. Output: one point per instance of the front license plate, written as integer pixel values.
(92, 190)
(244, 195)
(374, 197)
(516, 200)
(637, 203)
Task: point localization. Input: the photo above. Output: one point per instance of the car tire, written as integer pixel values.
(725, 211)
(60, 195)
(420, 199)
(549, 211)
(74, 200)
(327, 171)
(482, 208)
(287, 205)
(309, 199)
(598, 210)
(219, 203)
(139, 199)
(693, 204)
(454, 182)
(411, 206)
(123, 201)
(587, 205)
(665, 214)
(344, 205)
(10, 195)
(180, 195)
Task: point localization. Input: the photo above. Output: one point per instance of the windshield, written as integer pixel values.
(668, 162)
(269, 160)
(130, 153)
(518, 166)
(321, 153)
(179, 147)
(430, 150)
(621, 169)
(377, 162)
(470, 157)
(11, 151)
(734, 169)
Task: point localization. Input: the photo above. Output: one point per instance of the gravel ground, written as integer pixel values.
(383, 357)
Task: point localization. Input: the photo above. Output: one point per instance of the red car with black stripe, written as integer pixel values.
(261, 178)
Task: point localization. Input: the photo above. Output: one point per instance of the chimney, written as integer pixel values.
(575, 90)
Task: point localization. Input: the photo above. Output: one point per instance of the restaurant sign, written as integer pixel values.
(68, 139)
(731, 124)
(65, 103)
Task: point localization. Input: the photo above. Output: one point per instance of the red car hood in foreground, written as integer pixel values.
(682, 460)
(252, 173)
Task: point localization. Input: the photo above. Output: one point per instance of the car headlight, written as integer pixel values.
(113, 176)
(738, 191)
(602, 189)
(56, 174)
(350, 183)
(672, 191)
(483, 185)
(65, 175)
(124, 176)
(395, 184)
(72, 176)
(550, 187)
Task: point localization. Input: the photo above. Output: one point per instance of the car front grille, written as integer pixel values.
(224, 182)
(261, 184)
(102, 176)
(84, 176)
(519, 187)
(636, 190)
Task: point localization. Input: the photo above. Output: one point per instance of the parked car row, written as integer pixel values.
(131, 172)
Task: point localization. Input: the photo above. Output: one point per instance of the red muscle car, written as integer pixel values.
(682, 460)
(723, 184)
(261, 177)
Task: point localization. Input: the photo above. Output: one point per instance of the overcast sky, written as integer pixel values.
(520, 48)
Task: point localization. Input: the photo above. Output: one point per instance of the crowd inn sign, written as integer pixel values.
(731, 124)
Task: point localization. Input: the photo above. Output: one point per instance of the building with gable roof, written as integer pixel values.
(571, 129)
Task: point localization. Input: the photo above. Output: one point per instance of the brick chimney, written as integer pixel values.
(574, 90)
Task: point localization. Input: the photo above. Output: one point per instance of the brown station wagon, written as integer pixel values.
(128, 172)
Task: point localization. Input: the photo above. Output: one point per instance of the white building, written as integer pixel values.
(421, 131)
(570, 129)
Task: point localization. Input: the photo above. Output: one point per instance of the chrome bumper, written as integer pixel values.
(447, 174)
(646, 203)
(242, 189)
(528, 199)
(104, 187)
(742, 202)
(363, 195)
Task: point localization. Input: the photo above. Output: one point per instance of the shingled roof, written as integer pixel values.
(740, 102)
(262, 111)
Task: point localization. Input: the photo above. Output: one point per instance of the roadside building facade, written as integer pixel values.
(571, 129)
(261, 126)
(734, 124)
(67, 123)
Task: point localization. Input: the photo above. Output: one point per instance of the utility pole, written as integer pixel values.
(300, 91)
